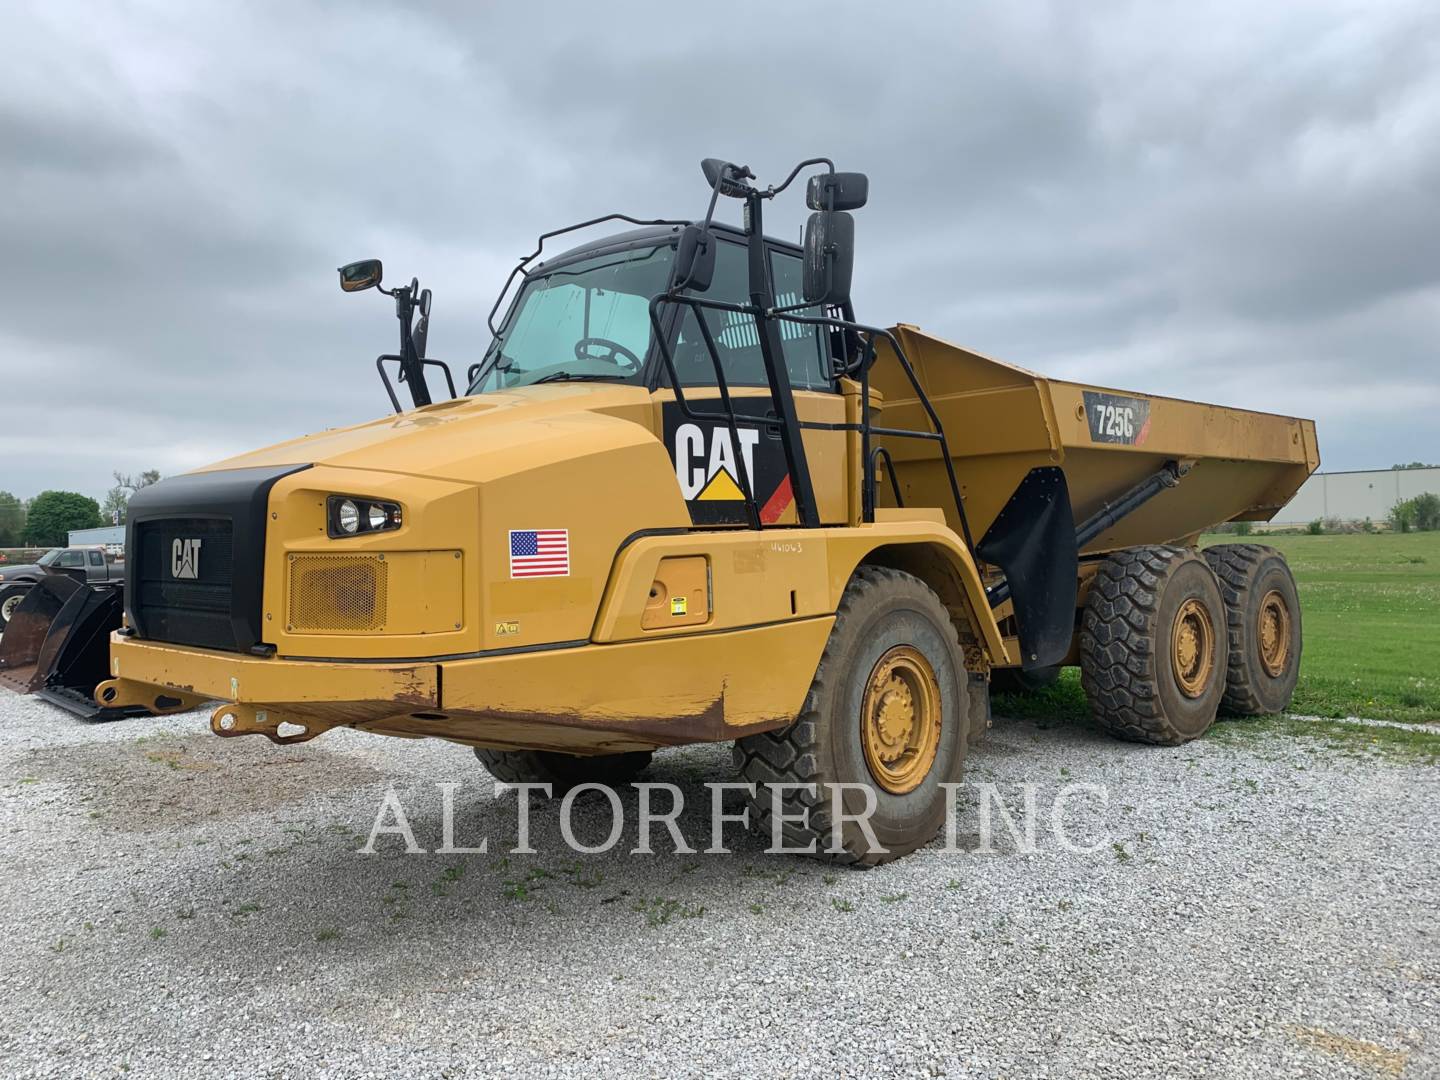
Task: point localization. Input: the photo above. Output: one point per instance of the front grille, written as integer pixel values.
(219, 606)
(337, 593)
(178, 608)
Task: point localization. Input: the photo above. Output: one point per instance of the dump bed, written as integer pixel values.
(1002, 421)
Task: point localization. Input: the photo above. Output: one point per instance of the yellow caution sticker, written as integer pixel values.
(679, 605)
(507, 629)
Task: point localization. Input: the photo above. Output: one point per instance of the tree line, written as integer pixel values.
(47, 519)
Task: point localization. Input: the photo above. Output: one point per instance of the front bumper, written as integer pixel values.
(580, 699)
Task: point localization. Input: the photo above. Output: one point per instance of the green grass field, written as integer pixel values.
(1370, 609)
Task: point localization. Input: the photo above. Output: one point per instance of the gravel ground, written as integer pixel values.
(176, 905)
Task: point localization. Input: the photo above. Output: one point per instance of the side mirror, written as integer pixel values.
(848, 190)
(695, 259)
(362, 275)
(829, 257)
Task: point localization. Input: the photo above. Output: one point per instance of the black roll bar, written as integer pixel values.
(866, 427)
(526, 260)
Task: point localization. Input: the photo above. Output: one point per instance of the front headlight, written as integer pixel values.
(346, 516)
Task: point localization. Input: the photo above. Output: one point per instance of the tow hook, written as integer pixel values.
(231, 720)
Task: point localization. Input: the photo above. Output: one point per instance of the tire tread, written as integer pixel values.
(792, 755)
(1237, 566)
(1117, 643)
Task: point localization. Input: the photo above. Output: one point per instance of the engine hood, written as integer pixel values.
(472, 438)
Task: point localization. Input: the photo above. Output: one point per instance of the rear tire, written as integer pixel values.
(1262, 616)
(888, 708)
(562, 771)
(1152, 645)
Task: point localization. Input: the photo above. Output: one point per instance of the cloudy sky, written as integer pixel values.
(1237, 203)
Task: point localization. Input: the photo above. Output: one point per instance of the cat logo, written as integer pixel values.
(711, 465)
(185, 559)
(712, 473)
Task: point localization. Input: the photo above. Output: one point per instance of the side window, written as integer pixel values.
(72, 558)
(737, 340)
(97, 559)
(804, 345)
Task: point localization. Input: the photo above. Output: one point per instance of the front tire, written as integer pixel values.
(562, 771)
(888, 709)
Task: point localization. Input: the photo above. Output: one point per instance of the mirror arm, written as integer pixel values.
(714, 198)
(412, 370)
(772, 190)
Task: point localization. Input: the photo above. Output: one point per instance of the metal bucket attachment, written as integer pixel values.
(28, 629)
(57, 643)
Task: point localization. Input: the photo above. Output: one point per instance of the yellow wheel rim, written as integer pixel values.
(1192, 648)
(1273, 633)
(900, 720)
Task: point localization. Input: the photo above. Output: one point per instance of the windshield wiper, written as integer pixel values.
(565, 376)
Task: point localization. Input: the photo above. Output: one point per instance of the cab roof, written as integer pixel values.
(656, 234)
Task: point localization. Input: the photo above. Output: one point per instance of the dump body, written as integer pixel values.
(1002, 421)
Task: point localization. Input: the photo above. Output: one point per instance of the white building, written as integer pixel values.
(112, 536)
(1354, 496)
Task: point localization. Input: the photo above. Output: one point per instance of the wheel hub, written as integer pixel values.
(1274, 633)
(1192, 648)
(900, 719)
(897, 716)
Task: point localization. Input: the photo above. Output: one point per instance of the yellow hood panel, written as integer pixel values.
(473, 438)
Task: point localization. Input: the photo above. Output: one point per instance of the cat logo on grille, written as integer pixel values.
(185, 558)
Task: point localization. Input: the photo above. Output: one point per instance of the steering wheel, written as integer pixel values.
(615, 352)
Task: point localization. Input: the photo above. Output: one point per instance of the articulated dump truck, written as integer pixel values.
(684, 497)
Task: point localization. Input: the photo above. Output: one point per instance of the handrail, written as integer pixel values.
(424, 361)
(921, 396)
(866, 427)
(876, 455)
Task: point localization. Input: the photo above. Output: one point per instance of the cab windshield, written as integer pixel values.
(49, 557)
(584, 321)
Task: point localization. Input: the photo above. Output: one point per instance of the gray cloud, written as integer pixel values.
(1230, 203)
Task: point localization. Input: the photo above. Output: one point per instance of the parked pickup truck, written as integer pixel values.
(15, 581)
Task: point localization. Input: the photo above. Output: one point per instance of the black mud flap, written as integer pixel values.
(1033, 541)
(57, 644)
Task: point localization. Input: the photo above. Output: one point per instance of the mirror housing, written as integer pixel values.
(849, 190)
(695, 259)
(715, 168)
(829, 257)
(362, 275)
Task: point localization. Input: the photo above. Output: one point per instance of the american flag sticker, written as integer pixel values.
(539, 553)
